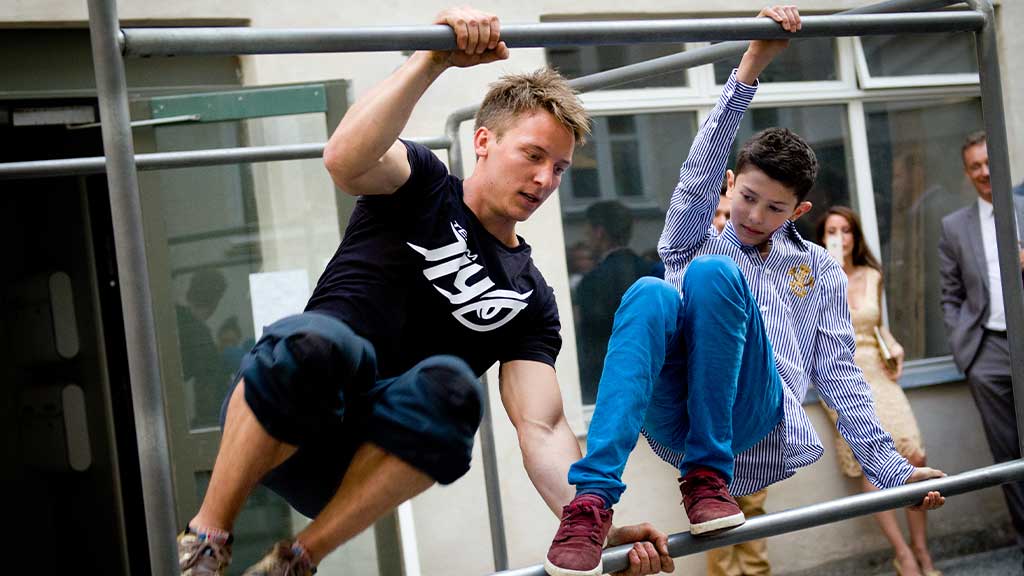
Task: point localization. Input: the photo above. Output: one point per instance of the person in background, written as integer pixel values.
(200, 358)
(608, 230)
(723, 210)
(840, 231)
(975, 316)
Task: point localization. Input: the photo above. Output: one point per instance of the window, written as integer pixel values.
(806, 60)
(574, 62)
(632, 161)
(918, 178)
(624, 159)
(916, 60)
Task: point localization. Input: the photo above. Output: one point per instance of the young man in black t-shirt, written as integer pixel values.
(371, 395)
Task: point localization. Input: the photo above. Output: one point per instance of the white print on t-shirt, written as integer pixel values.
(456, 259)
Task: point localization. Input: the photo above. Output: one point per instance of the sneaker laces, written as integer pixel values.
(703, 485)
(202, 548)
(581, 519)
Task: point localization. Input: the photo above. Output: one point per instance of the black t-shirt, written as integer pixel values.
(418, 275)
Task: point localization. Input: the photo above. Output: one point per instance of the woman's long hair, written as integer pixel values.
(862, 256)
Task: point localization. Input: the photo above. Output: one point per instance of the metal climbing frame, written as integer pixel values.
(111, 44)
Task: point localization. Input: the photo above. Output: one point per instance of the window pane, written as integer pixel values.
(638, 167)
(225, 224)
(918, 178)
(912, 54)
(627, 168)
(584, 60)
(825, 130)
(807, 59)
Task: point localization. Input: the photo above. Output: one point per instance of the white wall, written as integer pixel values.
(451, 522)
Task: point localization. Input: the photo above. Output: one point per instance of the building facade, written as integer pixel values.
(230, 248)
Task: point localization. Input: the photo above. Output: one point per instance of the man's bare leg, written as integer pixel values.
(375, 483)
(247, 452)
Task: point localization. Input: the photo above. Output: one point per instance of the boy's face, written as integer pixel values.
(523, 166)
(760, 205)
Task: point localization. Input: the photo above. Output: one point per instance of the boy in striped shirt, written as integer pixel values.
(712, 364)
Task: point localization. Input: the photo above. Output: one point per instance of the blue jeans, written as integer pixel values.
(697, 373)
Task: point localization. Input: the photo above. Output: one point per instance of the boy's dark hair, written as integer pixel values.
(783, 156)
(973, 139)
(614, 218)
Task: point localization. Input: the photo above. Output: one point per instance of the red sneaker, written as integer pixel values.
(576, 549)
(709, 506)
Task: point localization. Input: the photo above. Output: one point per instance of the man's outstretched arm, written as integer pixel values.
(363, 155)
(533, 401)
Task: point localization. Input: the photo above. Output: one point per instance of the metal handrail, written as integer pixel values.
(181, 159)
(145, 42)
(682, 544)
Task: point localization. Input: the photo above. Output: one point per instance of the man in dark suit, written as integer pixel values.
(972, 305)
(609, 229)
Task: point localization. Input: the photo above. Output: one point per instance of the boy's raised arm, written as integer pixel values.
(693, 202)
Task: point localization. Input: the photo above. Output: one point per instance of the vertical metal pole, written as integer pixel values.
(133, 274)
(1002, 200)
(487, 448)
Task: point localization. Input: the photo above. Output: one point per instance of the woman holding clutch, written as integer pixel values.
(881, 358)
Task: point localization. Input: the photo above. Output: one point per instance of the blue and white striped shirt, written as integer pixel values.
(801, 292)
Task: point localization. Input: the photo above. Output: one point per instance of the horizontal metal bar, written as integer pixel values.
(139, 123)
(143, 42)
(682, 544)
(186, 159)
(693, 58)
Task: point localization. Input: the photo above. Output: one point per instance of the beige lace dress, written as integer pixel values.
(891, 403)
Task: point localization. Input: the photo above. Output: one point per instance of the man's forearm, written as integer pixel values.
(547, 455)
(376, 120)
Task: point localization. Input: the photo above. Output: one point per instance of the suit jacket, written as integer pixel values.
(965, 300)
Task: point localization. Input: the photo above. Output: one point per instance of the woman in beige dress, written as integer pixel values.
(841, 233)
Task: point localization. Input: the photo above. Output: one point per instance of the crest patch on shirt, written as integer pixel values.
(800, 280)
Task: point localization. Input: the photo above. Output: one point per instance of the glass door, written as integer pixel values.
(231, 248)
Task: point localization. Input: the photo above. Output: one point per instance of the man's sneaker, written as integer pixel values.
(286, 558)
(203, 554)
(709, 506)
(576, 549)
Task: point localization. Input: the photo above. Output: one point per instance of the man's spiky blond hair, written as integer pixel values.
(544, 89)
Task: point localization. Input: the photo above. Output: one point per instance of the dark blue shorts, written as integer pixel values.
(312, 382)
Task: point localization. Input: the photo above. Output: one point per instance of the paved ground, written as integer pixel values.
(1002, 562)
(998, 562)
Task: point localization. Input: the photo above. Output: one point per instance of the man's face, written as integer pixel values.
(760, 205)
(525, 164)
(976, 167)
(721, 213)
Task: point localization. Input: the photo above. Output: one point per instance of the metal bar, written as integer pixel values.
(137, 302)
(1002, 200)
(698, 57)
(683, 543)
(137, 123)
(144, 42)
(488, 451)
(186, 159)
(492, 483)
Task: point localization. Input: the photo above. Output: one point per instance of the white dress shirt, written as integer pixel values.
(996, 312)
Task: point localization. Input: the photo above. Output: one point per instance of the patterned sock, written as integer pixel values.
(212, 534)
